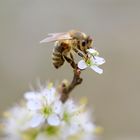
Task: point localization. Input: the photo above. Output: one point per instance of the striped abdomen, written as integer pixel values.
(57, 57)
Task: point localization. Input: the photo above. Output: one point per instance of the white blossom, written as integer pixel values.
(93, 61)
(42, 116)
(45, 106)
(16, 121)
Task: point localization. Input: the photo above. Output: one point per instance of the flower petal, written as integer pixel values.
(73, 129)
(69, 106)
(30, 95)
(34, 105)
(97, 69)
(57, 107)
(99, 60)
(91, 50)
(82, 64)
(89, 127)
(36, 120)
(50, 95)
(41, 136)
(53, 120)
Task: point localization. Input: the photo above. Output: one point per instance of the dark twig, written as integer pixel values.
(66, 88)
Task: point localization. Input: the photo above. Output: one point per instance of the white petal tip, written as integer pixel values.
(99, 60)
(97, 69)
(42, 41)
(36, 120)
(82, 65)
(53, 120)
(93, 51)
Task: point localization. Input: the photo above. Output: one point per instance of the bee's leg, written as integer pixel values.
(80, 54)
(71, 56)
(72, 63)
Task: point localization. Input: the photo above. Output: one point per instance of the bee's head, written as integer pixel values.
(87, 43)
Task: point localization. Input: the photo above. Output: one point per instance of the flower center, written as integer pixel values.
(46, 111)
(66, 117)
(29, 134)
(88, 62)
(51, 130)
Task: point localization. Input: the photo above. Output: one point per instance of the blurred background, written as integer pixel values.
(115, 25)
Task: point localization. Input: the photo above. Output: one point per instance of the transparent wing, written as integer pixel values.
(56, 36)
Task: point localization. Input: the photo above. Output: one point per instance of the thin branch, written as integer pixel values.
(66, 88)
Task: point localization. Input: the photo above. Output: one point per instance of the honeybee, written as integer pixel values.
(66, 44)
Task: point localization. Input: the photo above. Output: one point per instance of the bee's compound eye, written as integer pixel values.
(83, 43)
